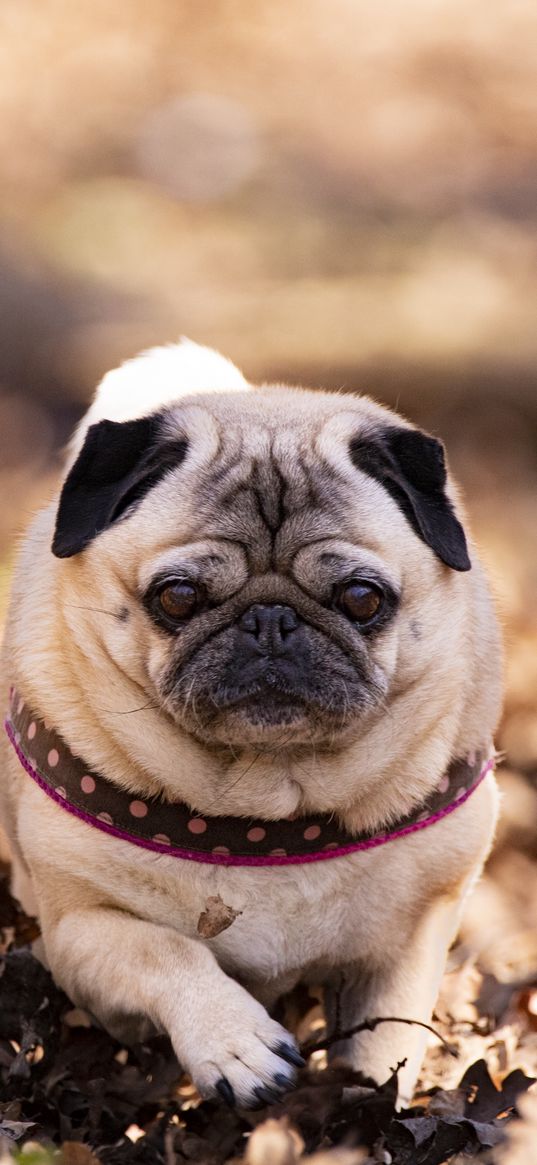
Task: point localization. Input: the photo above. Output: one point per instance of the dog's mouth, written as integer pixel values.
(267, 709)
(260, 719)
(267, 704)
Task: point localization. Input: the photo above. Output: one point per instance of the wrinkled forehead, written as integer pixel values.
(271, 473)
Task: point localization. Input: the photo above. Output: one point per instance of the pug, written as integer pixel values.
(252, 661)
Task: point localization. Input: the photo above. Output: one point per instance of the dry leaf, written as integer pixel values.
(450, 1102)
(216, 917)
(346, 1157)
(274, 1143)
(75, 1153)
(521, 1144)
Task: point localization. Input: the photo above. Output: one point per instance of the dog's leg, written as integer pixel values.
(115, 964)
(404, 986)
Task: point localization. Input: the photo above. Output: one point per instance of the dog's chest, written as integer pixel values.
(283, 919)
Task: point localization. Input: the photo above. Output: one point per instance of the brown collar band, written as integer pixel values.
(175, 829)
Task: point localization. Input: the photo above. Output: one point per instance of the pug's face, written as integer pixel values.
(275, 560)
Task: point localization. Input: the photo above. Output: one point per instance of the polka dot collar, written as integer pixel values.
(175, 829)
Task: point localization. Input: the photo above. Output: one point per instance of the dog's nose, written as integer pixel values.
(269, 626)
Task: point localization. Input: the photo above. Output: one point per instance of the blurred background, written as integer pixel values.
(333, 193)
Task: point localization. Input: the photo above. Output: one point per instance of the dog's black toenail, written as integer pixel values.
(266, 1095)
(291, 1054)
(223, 1087)
(284, 1082)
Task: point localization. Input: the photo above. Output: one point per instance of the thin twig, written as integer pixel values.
(369, 1025)
(336, 1034)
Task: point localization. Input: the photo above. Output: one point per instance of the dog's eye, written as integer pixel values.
(359, 601)
(177, 600)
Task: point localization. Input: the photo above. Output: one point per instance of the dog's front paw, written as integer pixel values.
(241, 1054)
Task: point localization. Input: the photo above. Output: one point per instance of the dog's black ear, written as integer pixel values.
(118, 464)
(411, 467)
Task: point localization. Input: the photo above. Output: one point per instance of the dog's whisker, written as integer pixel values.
(248, 768)
(224, 792)
(131, 711)
(95, 610)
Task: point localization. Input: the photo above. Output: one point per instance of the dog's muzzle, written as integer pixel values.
(268, 669)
